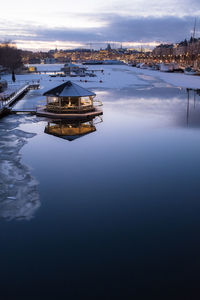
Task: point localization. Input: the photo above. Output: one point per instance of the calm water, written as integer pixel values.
(112, 214)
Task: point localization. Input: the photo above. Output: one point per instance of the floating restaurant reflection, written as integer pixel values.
(71, 130)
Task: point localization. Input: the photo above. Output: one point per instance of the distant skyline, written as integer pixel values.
(63, 24)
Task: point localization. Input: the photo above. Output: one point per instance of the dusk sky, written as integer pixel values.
(43, 24)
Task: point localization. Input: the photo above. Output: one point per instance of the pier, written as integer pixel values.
(31, 111)
(48, 72)
(6, 104)
(61, 72)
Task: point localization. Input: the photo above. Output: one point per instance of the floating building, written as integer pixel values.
(70, 67)
(70, 101)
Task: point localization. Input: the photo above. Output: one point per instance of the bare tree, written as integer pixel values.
(10, 56)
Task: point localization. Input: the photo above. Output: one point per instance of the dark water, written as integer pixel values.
(116, 213)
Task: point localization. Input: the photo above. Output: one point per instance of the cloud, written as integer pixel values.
(149, 28)
(156, 8)
(116, 28)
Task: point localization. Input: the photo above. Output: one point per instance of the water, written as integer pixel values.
(113, 213)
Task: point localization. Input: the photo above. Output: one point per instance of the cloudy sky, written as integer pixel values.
(77, 23)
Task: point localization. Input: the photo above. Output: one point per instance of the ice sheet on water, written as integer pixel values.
(19, 133)
(174, 79)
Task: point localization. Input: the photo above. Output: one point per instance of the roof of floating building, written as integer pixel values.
(69, 89)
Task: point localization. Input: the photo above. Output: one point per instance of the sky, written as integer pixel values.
(65, 24)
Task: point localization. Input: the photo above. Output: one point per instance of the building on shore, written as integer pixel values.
(185, 53)
(163, 50)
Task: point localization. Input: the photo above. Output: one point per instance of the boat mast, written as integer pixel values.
(194, 31)
(193, 41)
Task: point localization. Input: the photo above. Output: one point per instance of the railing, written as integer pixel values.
(7, 100)
(83, 106)
(17, 94)
(99, 102)
(68, 108)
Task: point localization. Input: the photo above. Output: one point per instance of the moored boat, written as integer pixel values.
(144, 66)
(166, 67)
(191, 71)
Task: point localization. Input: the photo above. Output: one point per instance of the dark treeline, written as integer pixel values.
(10, 57)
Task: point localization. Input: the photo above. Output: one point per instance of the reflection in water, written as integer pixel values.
(121, 206)
(19, 197)
(72, 130)
(192, 114)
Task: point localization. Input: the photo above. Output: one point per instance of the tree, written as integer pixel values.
(10, 57)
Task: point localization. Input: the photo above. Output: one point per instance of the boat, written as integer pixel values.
(191, 71)
(166, 68)
(144, 66)
(112, 62)
(177, 68)
(138, 65)
(92, 62)
(133, 64)
(154, 67)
